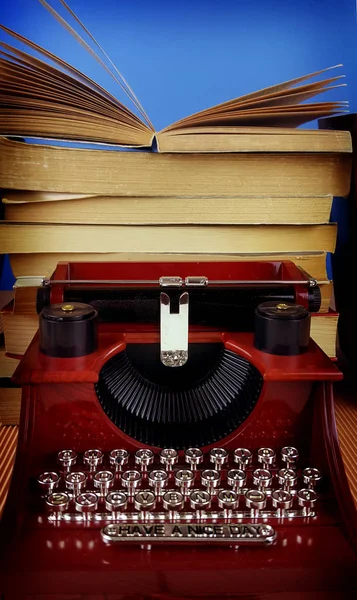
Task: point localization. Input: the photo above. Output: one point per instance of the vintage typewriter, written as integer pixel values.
(177, 440)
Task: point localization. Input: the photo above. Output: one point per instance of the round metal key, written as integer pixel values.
(86, 503)
(158, 479)
(58, 502)
(228, 500)
(66, 459)
(289, 455)
(103, 481)
(262, 478)
(75, 482)
(93, 459)
(256, 500)
(168, 457)
(211, 479)
(200, 500)
(48, 481)
(116, 502)
(266, 456)
(219, 457)
(118, 458)
(144, 501)
(243, 457)
(307, 499)
(311, 477)
(282, 500)
(144, 457)
(184, 479)
(130, 480)
(194, 457)
(237, 478)
(287, 478)
(173, 500)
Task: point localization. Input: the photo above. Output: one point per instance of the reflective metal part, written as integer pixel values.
(266, 456)
(307, 499)
(66, 459)
(118, 458)
(168, 457)
(158, 480)
(144, 457)
(196, 281)
(170, 281)
(255, 500)
(130, 480)
(173, 501)
(86, 503)
(173, 332)
(281, 500)
(200, 500)
(211, 479)
(48, 482)
(237, 478)
(103, 481)
(144, 501)
(30, 281)
(287, 478)
(194, 457)
(218, 456)
(311, 477)
(75, 482)
(93, 459)
(57, 503)
(232, 534)
(289, 455)
(116, 502)
(229, 501)
(184, 479)
(243, 457)
(262, 478)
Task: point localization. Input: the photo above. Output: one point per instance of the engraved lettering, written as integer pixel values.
(194, 530)
(218, 530)
(176, 531)
(234, 530)
(136, 530)
(148, 530)
(159, 530)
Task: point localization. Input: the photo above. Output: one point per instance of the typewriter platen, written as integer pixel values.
(177, 440)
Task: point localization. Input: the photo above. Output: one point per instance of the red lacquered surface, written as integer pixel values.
(312, 558)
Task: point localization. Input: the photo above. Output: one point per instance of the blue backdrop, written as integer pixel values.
(182, 56)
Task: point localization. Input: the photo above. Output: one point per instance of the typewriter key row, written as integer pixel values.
(158, 479)
(200, 501)
(144, 458)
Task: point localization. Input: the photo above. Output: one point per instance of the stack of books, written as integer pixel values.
(238, 181)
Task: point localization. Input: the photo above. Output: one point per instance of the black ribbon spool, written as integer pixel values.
(68, 330)
(282, 328)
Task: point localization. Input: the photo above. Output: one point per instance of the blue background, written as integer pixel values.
(183, 56)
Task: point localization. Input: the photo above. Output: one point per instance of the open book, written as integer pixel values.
(49, 98)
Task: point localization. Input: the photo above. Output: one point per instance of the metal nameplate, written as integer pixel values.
(235, 534)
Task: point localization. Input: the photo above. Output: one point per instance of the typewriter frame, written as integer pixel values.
(314, 557)
(317, 550)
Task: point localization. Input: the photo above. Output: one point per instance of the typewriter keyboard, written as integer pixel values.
(144, 494)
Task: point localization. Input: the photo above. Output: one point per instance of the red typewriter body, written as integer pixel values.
(309, 552)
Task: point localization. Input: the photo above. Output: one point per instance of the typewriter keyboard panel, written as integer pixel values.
(219, 496)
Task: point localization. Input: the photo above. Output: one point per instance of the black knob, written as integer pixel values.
(282, 328)
(68, 330)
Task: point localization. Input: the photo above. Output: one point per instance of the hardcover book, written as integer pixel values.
(46, 97)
